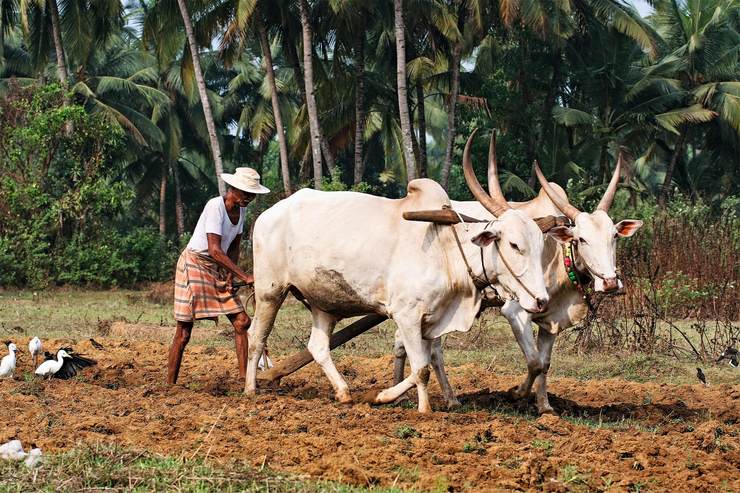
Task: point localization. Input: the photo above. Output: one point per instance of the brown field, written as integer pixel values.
(613, 434)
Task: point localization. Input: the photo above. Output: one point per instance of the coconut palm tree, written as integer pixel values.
(403, 106)
(248, 17)
(207, 111)
(313, 112)
(701, 68)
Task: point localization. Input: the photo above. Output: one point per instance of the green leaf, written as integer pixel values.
(571, 117)
(693, 114)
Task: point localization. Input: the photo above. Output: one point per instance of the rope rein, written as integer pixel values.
(479, 283)
(511, 271)
(486, 282)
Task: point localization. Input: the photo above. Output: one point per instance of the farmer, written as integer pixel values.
(203, 281)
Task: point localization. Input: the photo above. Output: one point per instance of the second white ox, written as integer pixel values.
(352, 254)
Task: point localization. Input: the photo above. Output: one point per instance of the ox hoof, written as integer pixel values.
(547, 410)
(517, 393)
(453, 403)
(425, 409)
(344, 398)
(370, 397)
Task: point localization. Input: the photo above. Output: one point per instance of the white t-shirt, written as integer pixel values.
(215, 219)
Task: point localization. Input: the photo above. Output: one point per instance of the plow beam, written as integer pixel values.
(298, 360)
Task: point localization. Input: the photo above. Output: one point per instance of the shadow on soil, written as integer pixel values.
(503, 402)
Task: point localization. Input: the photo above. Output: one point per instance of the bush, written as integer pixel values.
(61, 199)
(115, 259)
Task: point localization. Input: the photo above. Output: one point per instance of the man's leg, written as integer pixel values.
(241, 322)
(182, 336)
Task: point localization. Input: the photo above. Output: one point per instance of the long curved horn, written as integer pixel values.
(494, 188)
(561, 204)
(495, 207)
(611, 190)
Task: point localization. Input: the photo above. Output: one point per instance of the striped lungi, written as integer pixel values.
(201, 290)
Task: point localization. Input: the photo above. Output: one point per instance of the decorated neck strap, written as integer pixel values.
(570, 268)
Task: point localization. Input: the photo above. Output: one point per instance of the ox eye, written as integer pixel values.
(515, 246)
(582, 241)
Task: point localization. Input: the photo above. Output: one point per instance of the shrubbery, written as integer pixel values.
(64, 211)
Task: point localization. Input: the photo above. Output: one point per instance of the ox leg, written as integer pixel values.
(418, 351)
(399, 364)
(438, 363)
(545, 342)
(264, 318)
(399, 358)
(318, 346)
(521, 324)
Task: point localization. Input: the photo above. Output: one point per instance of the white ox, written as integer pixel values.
(593, 241)
(351, 254)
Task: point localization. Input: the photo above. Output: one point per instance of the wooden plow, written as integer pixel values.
(298, 360)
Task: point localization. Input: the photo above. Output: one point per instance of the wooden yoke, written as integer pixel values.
(440, 216)
(546, 223)
(449, 216)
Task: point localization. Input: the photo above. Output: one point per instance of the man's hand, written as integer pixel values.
(230, 283)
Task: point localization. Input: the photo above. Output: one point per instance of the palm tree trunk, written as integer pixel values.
(403, 107)
(284, 166)
(422, 130)
(179, 208)
(58, 46)
(207, 112)
(313, 114)
(451, 124)
(666, 189)
(359, 107)
(62, 72)
(163, 200)
(326, 152)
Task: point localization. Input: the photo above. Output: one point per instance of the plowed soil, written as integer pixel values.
(612, 435)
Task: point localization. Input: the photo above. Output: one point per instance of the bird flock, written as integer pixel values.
(64, 363)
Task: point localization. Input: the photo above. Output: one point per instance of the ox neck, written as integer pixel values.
(482, 280)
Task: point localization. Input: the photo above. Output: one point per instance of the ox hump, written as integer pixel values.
(424, 192)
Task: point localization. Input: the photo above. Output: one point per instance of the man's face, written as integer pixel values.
(243, 198)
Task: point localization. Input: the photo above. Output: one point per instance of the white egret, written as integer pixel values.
(13, 450)
(34, 348)
(64, 366)
(7, 364)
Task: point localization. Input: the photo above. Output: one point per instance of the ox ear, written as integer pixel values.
(628, 227)
(562, 234)
(485, 238)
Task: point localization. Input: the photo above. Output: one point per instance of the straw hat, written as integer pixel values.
(245, 179)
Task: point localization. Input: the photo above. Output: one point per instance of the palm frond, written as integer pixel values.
(571, 117)
(691, 114)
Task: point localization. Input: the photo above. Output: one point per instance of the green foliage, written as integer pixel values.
(60, 200)
(142, 255)
(405, 432)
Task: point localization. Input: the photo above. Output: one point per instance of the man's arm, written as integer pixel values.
(233, 251)
(227, 261)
